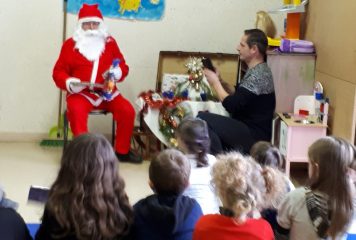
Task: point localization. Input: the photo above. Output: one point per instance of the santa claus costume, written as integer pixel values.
(85, 58)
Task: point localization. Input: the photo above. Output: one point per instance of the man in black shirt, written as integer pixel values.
(251, 105)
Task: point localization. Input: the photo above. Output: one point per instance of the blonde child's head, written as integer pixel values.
(242, 185)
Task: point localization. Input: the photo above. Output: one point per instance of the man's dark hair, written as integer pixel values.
(258, 38)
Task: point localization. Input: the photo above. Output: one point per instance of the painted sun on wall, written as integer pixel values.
(129, 9)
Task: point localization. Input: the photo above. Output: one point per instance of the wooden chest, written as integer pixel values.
(173, 62)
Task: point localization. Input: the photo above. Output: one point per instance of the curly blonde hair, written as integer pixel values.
(242, 185)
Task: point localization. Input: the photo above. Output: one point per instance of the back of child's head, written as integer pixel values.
(195, 136)
(169, 172)
(267, 155)
(88, 160)
(242, 185)
(330, 161)
(88, 196)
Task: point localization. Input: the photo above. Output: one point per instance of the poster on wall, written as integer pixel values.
(127, 9)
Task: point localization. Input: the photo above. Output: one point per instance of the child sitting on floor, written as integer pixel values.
(326, 208)
(193, 140)
(243, 188)
(266, 154)
(88, 198)
(166, 214)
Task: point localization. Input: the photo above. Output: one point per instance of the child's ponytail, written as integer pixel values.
(275, 183)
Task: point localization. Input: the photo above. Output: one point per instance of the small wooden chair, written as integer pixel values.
(94, 112)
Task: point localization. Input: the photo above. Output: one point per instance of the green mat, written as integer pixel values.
(55, 135)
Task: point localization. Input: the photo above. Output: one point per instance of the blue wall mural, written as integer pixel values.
(128, 9)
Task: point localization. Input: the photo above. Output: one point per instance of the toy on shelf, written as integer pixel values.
(293, 8)
(296, 46)
(265, 23)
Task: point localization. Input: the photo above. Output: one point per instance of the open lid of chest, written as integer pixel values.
(173, 62)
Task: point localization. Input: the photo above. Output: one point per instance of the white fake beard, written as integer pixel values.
(90, 43)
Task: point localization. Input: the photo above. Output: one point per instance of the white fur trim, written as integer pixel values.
(90, 19)
(92, 101)
(94, 72)
(70, 80)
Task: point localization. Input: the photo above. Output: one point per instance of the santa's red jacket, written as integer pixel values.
(71, 63)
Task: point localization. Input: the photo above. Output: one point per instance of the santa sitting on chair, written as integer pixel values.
(83, 66)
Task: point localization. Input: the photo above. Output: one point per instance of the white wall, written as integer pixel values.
(31, 35)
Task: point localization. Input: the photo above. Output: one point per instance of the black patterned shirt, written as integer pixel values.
(254, 101)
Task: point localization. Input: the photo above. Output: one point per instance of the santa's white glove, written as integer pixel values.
(72, 86)
(116, 72)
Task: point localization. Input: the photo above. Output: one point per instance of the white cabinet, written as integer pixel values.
(293, 75)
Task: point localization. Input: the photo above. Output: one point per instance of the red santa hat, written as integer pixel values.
(90, 13)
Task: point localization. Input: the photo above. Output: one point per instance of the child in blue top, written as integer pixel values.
(166, 214)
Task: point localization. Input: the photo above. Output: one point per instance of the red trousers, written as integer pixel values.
(78, 108)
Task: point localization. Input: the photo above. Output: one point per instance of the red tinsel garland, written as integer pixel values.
(158, 104)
